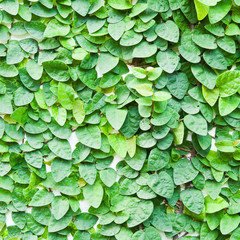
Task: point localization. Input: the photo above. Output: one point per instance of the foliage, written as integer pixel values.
(154, 82)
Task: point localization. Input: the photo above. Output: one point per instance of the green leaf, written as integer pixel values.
(55, 225)
(61, 148)
(59, 114)
(88, 172)
(60, 206)
(225, 146)
(10, 6)
(34, 158)
(227, 44)
(204, 40)
(89, 136)
(85, 221)
(161, 184)
(34, 70)
(178, 84)
(57, 70)
(106, 62)
(96, 198)
(204, 75)
(130, 38)
(144, 50)
(60, 169)
(136, 162)
(116, 30)
(5, 105)
(227, 105)
(215, 59)
(139, 211)
(81, 6)
(22, 97)
(14, 53)
(158, 6)
(161, 96)
(219, 11)
(193, 199)
(147, 233)
(184, 172)
(228, 83)
(196, 123)
(41, 198)
(108, 176)
(168, 31)
(167, 60)
(8, 70)
(146, 140)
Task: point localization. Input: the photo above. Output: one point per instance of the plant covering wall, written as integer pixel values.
(154, 82)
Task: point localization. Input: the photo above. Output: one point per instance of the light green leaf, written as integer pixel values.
(144, 89)
(81, 6)
(10, 6)
(22, 97)
(34, 158)
(66, 95)
(116, 116)
(60, 169)
(78, 111)
(116, 30)
(210, 95)
(120, 4)
(8, 70)
(229, 223)
(201, 9)
(139, 211)
(228, 83)
(215, 205)
(178, 133)
(119, 144)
